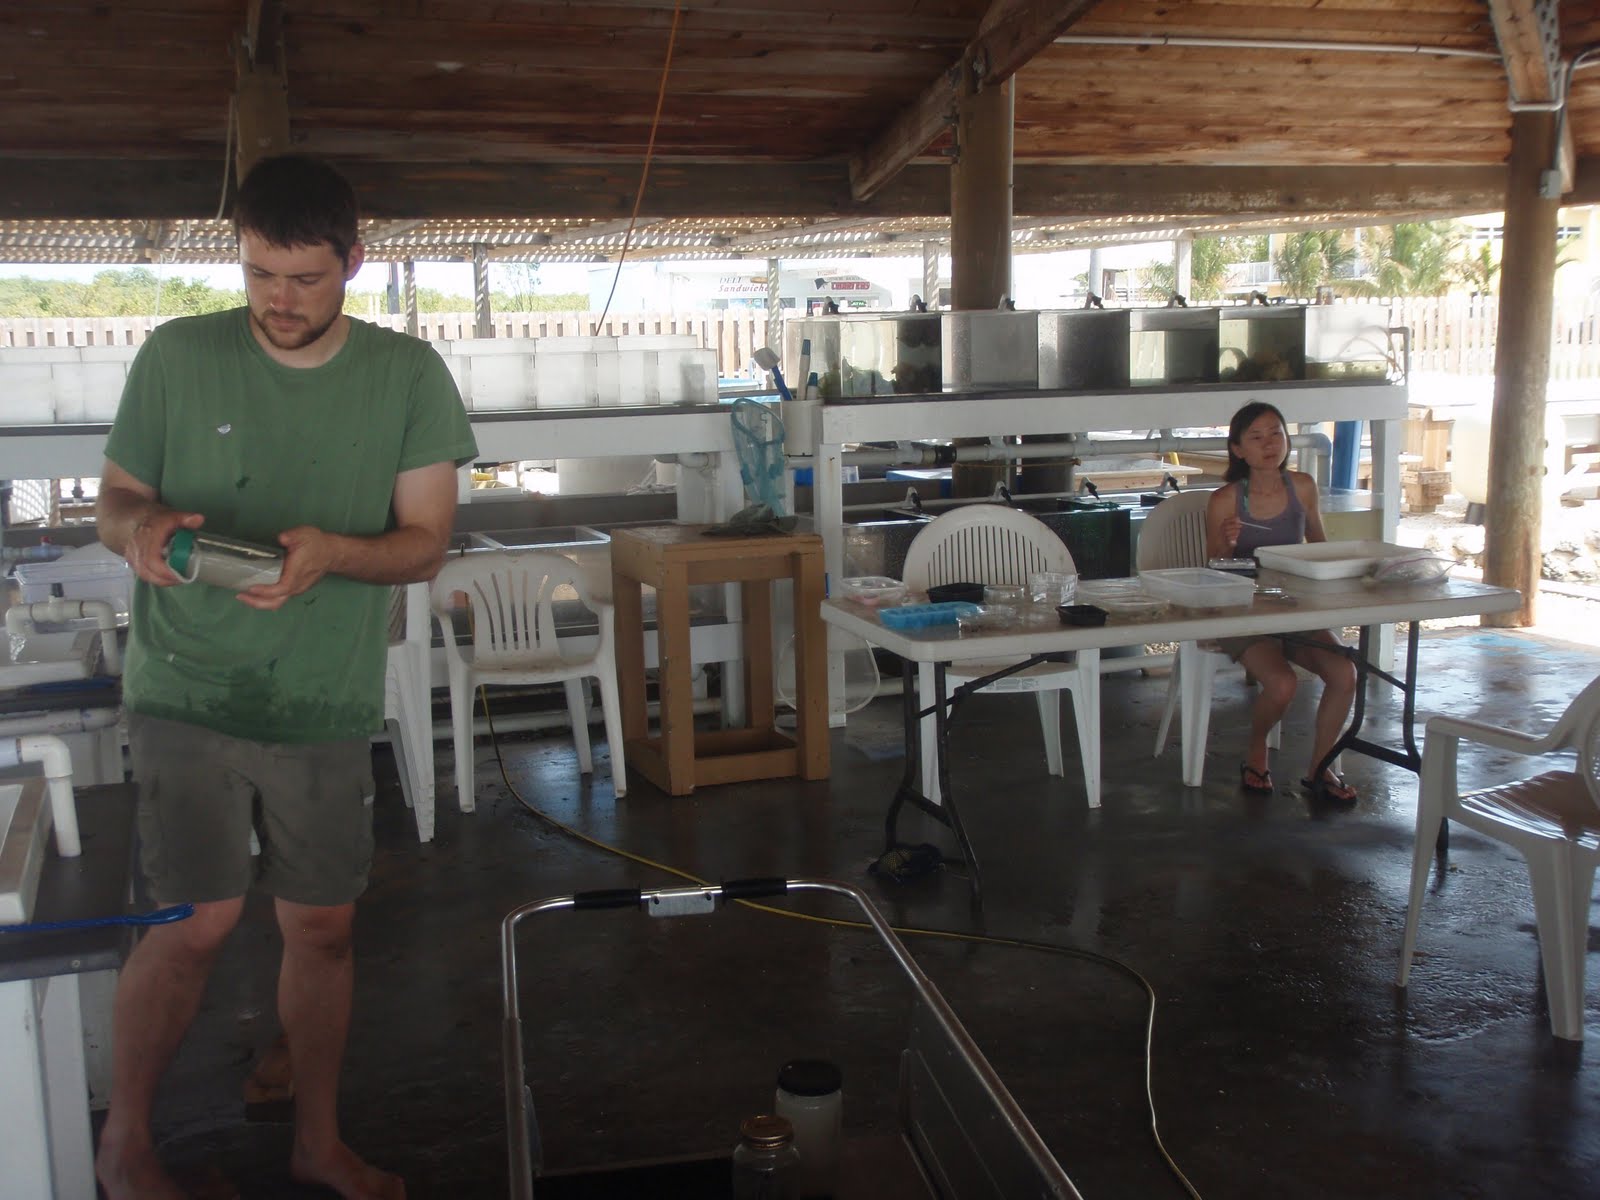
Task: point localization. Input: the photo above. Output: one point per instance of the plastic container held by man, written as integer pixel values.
(810, 1097)
(222, 562)
(766, 1165)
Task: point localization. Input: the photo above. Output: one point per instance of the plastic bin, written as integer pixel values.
(77, 578)
(874, 591)
(1198, 587)
(982, 350)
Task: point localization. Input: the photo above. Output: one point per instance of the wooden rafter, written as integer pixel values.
(1530, 44)
(1011, 33)
(261, 102)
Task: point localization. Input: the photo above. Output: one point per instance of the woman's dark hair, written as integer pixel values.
(1242, 420)
(297, 200)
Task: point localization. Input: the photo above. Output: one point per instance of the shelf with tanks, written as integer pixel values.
(859, 356)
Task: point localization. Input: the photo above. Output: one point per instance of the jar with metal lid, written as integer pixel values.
(765, 1162)
(197, 557)
(810, 1097)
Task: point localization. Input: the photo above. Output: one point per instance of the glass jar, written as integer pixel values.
(809, 1095)
(765, 1162)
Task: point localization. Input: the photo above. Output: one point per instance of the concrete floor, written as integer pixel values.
(1286, 1064)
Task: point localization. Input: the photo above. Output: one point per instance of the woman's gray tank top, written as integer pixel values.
(1288, 528)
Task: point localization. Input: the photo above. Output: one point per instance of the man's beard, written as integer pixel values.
(296, 338)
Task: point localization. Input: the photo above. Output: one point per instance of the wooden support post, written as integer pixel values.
(483, 324)
(980, 197)
(775, 321)
(1522, 366)
(413, 320)
(1183, 264)
(980, 226)
(930, 274)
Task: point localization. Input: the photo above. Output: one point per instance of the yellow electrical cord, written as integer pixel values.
(904, 931)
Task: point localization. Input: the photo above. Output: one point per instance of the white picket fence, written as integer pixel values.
(733, 333)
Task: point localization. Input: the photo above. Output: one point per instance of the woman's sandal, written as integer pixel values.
(1257, 783)
(1333, 787)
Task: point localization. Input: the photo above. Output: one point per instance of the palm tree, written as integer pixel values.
(1312, 258)
(1209, 260)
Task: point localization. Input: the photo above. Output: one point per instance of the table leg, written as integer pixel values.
(25, 1132)
(676, 677)
(941, 726)
(628, 629)
(66, 1087)
(811, 672)
(756, 601)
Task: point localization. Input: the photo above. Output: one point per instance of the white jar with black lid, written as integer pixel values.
(811, 1098)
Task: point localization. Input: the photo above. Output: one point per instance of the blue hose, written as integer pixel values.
(161, 916)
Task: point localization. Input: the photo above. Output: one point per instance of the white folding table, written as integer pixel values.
(1308, 605)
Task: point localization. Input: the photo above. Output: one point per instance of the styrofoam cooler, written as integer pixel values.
(577, 372)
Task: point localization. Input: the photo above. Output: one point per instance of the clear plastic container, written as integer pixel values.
(766, 1165)
(1004, 595)
(810, 1097)
(1198, 587)
(1052, 588)
(874, 591)
(982, 619)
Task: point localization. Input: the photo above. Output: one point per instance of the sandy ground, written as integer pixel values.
(1567, 608)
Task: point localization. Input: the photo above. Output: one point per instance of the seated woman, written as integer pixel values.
(1264, 503)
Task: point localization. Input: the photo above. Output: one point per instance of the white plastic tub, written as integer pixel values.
(1328, 560)
(1198, 587)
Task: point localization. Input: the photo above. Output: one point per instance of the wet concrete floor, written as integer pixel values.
(1285, 1062)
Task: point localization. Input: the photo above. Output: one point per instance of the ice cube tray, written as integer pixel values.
(920, 616)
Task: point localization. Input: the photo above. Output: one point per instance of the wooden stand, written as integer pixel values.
(672, 559)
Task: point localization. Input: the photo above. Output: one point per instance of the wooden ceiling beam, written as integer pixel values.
(261, 101)
(167, 189)
(1529, 34)
(1011, 33)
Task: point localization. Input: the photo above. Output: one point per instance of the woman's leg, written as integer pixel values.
(1338, 675)
(1271, 670)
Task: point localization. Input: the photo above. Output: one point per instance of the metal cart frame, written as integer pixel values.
(964, 1129)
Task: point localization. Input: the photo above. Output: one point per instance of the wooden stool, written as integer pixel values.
(672, 559)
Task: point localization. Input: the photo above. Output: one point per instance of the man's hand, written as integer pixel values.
(146, 548)
(310, 553)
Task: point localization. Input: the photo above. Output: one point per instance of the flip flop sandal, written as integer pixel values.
(1257, 783)
(1333, 788)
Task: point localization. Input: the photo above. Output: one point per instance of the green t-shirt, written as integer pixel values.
(218, 427)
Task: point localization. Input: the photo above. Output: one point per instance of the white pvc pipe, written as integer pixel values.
(52, 754)
(71, 720)
(22, 618)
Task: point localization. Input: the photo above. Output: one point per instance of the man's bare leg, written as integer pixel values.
(314, 994)
(157, 997)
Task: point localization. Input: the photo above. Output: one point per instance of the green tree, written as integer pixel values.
(1209, 261)
(1311, 259)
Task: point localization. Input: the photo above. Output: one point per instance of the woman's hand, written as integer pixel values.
(1232, 527)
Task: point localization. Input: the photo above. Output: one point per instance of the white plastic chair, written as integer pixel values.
(408, 701)
(511, 595)
(993, 544)
(1174, 535)
(1551, 819)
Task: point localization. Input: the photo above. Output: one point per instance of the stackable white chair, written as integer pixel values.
(511, 596)
(1552, 819)
(993, 544)
(1174, 535)
(408, 701)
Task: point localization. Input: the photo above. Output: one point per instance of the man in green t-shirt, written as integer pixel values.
(284, 423)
